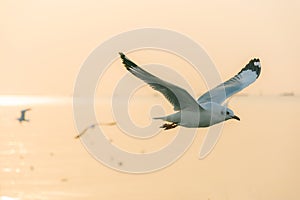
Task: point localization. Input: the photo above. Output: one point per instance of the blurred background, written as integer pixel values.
(43, 45)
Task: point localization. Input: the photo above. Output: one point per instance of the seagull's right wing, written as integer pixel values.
(243, 79)
(24, 111)
(177, 96)
(22, 114)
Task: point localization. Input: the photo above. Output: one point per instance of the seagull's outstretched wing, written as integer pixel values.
(23, 112)
(93, 126)
(81, 133)
(244, 78)
(178, 97)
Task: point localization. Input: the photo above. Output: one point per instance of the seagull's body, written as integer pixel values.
(22, 117)
(209, 109)
(197, 118)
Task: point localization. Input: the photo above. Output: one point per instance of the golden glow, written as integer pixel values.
(28, 100)
(39, 45)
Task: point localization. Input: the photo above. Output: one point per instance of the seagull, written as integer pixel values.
(93, 126)
(22, 117)
(209, 109)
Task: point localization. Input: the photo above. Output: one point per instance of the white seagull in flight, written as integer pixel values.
(22, 117)
(209, 109)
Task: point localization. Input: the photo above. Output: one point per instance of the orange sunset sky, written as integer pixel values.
(44, 43)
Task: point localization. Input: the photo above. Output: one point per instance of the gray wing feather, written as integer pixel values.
(230, 87)
(178, 97)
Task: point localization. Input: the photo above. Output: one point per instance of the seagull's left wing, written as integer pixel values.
(177, 96)
(243, 79)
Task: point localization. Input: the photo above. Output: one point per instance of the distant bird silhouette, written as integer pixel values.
(22, 117)
(93, 126)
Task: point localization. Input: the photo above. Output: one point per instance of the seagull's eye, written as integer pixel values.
(227, 113)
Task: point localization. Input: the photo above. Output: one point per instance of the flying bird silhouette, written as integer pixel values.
(209, 109)
(93, 126)
(22, 117)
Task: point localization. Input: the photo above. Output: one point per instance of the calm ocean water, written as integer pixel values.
(256, 158)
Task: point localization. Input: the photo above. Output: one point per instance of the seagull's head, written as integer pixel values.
(229, 114)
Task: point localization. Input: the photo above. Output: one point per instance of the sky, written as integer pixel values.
(44, 43)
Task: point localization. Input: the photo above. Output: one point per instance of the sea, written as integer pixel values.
(255, 158)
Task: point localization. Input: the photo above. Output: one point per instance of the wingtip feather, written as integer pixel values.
(122, 55)
(127, 63)
(253, 65)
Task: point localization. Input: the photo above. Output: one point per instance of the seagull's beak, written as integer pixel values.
(236, 117)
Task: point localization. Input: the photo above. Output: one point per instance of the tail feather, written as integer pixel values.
(162, 118)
